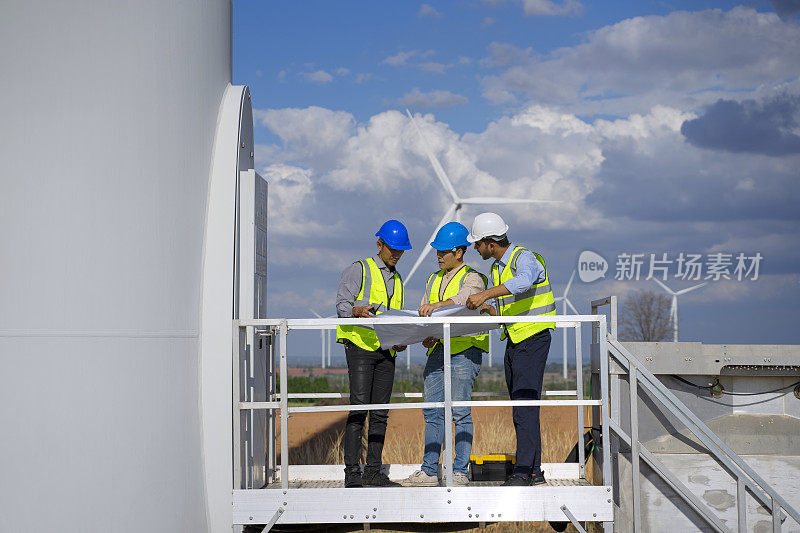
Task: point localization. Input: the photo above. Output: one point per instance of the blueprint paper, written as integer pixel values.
(405, 334)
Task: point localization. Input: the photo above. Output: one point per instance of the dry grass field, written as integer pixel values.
(317, 439)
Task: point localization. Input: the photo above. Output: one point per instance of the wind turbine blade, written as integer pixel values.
(664, 287)
(426, 246)
(437, 167)
(315, 313)
(684, 291)
(559, 298)
(496, 200)
(571, 306)
(569, 283)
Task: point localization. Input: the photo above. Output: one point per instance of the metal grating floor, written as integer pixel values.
(333, 484)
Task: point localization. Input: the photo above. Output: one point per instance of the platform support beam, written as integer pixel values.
(572, 519)
(272, 520)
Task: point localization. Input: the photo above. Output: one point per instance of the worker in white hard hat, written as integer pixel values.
(521, 287)
(450, 285)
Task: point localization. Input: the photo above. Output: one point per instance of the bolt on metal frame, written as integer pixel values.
(279, 401)
(747, 480)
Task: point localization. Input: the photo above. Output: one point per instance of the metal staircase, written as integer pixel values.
(629, 370)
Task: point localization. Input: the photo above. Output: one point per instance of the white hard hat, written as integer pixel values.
(487, 225)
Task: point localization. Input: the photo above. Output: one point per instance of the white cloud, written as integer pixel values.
(427, 10)
(342, 71)
(318, 76)
(683, 59)
(432, 66)
(635, 177)
(401, 58)
(544, 7)
(550, 8)
(419, 100)
(290, 188)
(362, 77)
(308, 131)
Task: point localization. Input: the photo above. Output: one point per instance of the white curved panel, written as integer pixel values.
(109, 118)
(233, 151)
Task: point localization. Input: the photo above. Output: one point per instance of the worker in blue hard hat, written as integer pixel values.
(369, 287)
(452, 284)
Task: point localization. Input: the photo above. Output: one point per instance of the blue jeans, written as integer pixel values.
(465, 367)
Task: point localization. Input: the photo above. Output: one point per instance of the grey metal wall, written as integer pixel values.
(108, 115)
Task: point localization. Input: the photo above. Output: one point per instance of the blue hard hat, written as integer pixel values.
(451, 236)
(395, 235)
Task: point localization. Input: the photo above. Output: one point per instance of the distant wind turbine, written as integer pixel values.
(324, 335)
(673, 312)
(453, 212)
(567, 303)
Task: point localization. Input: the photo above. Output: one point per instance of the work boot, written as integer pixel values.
(515, 480)
(377, 479)
(352, 477)
(538, 479)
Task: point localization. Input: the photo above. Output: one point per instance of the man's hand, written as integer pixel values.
(476, 300)
(362, 311)
(488, 310)
(429, 342)
(399, 347)
(427, 309)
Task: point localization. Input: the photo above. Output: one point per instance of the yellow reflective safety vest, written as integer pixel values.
(373, 292)
(457, 344)
(536, 301)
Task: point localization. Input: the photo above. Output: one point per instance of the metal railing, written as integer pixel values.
(279, 400)
(747, 480)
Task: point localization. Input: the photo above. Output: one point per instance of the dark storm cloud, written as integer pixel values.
(766, 127)
(786, 8)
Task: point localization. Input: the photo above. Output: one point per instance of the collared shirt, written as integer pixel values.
(473, 284)
(529, 270)
(350, 286)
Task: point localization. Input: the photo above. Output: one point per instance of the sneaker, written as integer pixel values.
(538, 479)
(420, 478)
(352, 478)
(460, 480)
(517, 481)
(379, 479)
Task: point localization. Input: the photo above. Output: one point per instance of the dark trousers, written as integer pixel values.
(371, 378)
(524, 366)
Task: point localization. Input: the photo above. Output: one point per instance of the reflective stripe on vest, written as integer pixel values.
(457, 344)
(373, 292)
(536, 301)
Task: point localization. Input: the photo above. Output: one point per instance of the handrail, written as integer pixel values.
(736, 465)
(315, 323)
(281, 327)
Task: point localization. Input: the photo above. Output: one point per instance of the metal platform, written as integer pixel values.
(308, 502)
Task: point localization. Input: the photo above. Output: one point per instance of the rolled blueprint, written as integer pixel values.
(405, 334)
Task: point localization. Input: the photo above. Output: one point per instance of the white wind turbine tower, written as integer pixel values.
(453, 213)
(567, 303)
(673, 311)
(324, 335)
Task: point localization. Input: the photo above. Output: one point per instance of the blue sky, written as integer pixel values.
(661, 127)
